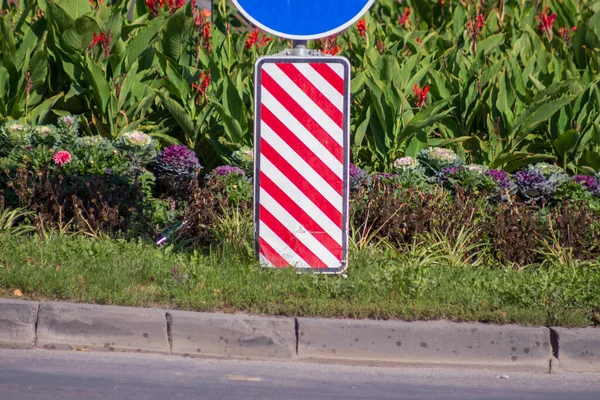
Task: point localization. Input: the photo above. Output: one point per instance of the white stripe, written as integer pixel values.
(322, 84)
(300, 198)
(264, 262)
(299, 232)
(301, 166)
(301, 132)
(305, 102)
(281, 247)
(338, 69)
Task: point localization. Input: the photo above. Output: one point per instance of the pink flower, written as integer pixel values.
(62, 157)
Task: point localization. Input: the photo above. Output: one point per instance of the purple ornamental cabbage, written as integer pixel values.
(533, 186)
(500, 177)
(225, 170)
(177, 162)
(591, 183)
(358, 177)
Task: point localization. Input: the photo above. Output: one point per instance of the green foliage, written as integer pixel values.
(505, 94)
(381, 284)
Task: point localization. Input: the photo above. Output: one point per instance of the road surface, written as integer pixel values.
(50, 375)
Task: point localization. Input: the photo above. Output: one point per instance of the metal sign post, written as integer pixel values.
(302, 136)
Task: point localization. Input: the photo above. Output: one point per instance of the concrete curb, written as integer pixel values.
(18, 324)
(579, 349)
(66, 326)
(84, 327)
(395, 342)
(232, 336)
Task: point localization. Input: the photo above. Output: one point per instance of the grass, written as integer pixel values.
(381, 284)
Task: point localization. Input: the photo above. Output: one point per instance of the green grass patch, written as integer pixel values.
(380, 285)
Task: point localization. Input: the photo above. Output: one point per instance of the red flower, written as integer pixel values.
(329, 45)
(98, 39)
(362, 27)
(202, 86)
(405, 17)
(255, 38)
(152, 6)
(474, 28)
(546, 23)
(202, 21)
(565, 34)
(420, 94)
(62, 157)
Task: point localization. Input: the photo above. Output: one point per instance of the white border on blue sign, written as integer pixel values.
(303, 37)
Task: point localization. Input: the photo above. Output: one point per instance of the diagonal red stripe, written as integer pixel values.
(302, 150)
(330, 76)
(271, 254)
(288, 238)
(311, 91)
(301, 216)
(300, 182)
(302, 116)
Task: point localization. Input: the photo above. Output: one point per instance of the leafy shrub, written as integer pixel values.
(91, 204)
(95, 155)
(238, 188)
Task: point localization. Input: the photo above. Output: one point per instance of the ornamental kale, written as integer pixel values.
(244, 158)
(68, 128)
(501, 178)
(226, 170)
(177, 162)
(139, 143)
(472, 180)
(556, 175)
(533, 186)
(405, 163)
(45, 135)
(86, 144)
(435, 159)
(14, 135)
(358, 177)
(93, 155)
(589, 182)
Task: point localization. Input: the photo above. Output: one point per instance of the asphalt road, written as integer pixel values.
(49, 375)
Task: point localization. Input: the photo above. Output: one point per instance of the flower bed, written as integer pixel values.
(129, 186)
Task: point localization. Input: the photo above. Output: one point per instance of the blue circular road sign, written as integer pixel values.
(303, 19)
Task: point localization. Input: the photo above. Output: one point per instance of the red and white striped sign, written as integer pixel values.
(302, 156)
